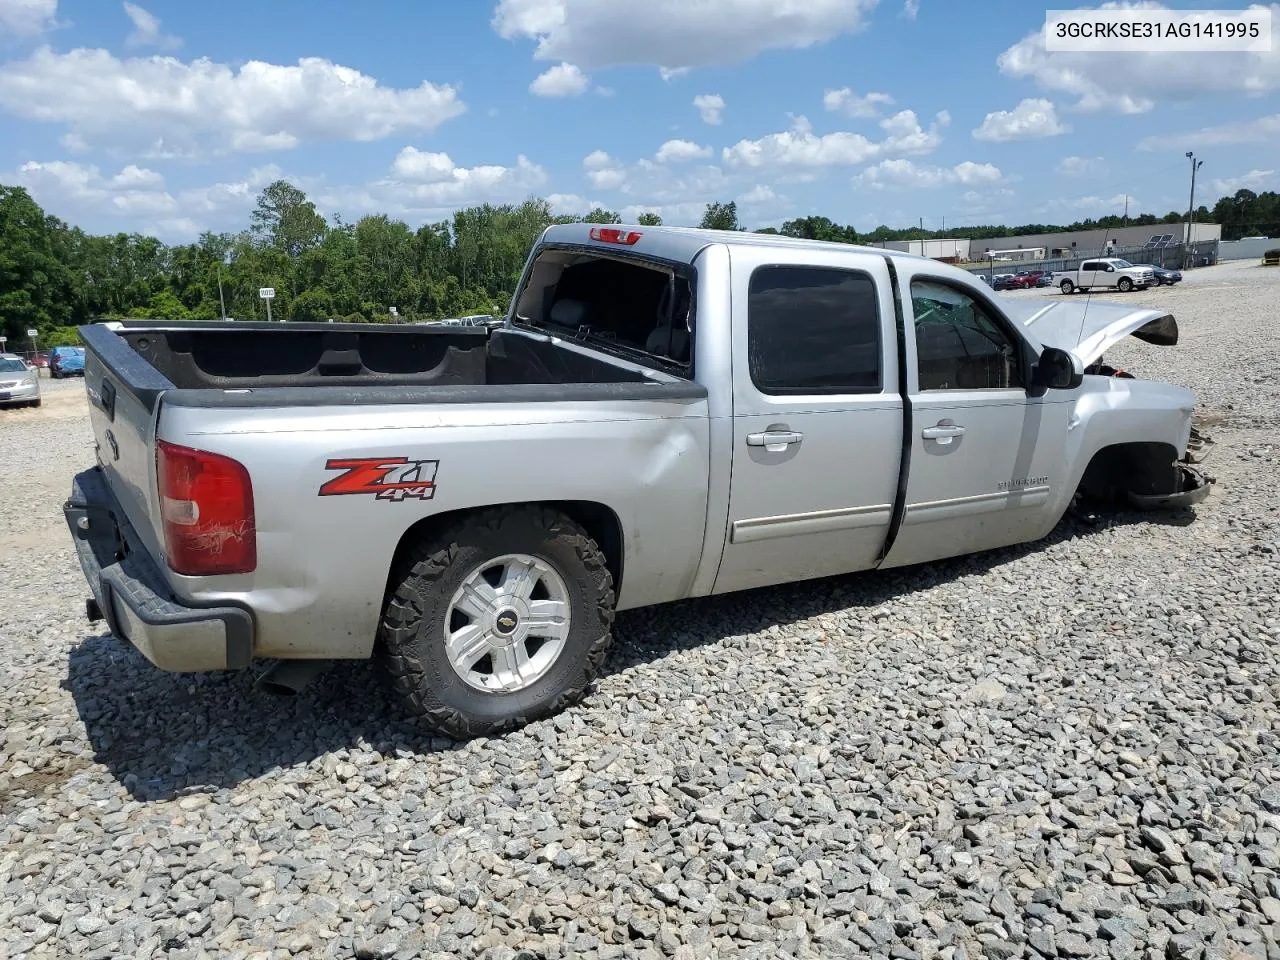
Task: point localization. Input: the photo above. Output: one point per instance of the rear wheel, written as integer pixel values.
(501, 619)
(1067, 287)
(1125, 284)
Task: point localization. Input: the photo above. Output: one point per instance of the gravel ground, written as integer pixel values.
(1070, 749)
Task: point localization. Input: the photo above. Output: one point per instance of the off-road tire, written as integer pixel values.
(1067, 287)
(411, 644)
(1124, 285)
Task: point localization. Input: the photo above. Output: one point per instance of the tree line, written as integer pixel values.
(54, 277)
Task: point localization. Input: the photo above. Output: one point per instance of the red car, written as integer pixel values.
(1028, 279)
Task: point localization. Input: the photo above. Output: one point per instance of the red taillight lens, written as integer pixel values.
(613, 235)
(206, 502)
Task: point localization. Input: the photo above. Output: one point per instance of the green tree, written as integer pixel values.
(721, 216)
(34, 280)
(649, 220)
(601, 215)
(311, 306)
(286, 219)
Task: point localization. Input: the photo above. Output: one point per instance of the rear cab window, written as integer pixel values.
(638, 308)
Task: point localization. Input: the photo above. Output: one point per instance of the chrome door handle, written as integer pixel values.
(774, 441)
(945, 430)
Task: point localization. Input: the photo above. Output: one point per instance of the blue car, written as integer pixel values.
(66, 362)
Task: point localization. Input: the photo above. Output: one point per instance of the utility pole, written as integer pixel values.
(221, 302)
(1126, 209)
(1191, 209)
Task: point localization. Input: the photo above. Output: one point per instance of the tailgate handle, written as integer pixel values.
(104, 398)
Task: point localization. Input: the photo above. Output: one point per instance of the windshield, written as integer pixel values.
(1122, 263)
(12, 366)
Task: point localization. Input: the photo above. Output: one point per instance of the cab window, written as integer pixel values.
(959, 344)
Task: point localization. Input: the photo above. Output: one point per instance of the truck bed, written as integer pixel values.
(236, 363)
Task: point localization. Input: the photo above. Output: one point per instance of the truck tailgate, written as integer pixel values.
(124, 396)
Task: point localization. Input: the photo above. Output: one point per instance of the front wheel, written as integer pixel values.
(1125, 284)
(498, 620)
(1068, 287)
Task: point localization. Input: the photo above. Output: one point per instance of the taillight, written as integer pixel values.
(206, 504)
(613, 235)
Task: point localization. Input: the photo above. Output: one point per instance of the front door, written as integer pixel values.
(985, 457)
(817, 415)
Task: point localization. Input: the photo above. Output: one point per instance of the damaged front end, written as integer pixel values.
(1189, 484)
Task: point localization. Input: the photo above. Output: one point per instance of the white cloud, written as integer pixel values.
(679, 151)
(1132, 82)
(603, 171)
(1253, 180)
(911, 9)
(463, 186)
(562, 80)
(146, 29)
(800, 147)
(1082, 167)
(25, 18)
(710, 106)
(761, 193)
(851, 104)
(163, 107)
(1032, 119)
(674, 33)
(903, 174)
(685, 214)
(1261, 130)
(571, 204)
(138, 197)
(671, 73)
(422, 167)
(1096, 205)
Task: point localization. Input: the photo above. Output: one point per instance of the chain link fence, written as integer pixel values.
(1173, 256)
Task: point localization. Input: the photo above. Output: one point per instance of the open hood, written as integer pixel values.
(1088, 328)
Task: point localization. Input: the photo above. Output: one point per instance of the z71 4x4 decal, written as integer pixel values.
(386, 478)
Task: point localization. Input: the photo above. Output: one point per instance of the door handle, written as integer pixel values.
(774, 441)
(944, 431)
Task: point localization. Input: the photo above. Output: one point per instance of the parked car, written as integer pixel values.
(1105, 273)
(1163, 276)
(1031, 278)
(40, 360)
(19, 382)
(1002, 281)
(474, 512)
(66, 362)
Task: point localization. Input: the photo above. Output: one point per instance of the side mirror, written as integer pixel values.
(1059, 370)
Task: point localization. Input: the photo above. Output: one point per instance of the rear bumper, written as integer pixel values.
(133, 597)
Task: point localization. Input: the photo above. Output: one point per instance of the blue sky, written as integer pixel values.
(169, 117)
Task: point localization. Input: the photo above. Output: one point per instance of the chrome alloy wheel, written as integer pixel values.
(507, 624)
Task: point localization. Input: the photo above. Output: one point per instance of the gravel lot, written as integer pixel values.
(1069, 749)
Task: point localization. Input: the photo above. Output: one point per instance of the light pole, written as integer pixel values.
(1191, 208)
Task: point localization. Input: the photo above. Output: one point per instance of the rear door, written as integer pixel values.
(986, 456)
(1091, 274)
(817, 416)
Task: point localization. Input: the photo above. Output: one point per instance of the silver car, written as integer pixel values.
(19, 383)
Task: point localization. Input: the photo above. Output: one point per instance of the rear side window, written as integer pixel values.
(813, 330)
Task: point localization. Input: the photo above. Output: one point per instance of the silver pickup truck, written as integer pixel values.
(665, 413)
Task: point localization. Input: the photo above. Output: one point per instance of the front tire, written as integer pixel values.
(497, 620)
(1068, 287)
(1125, 284)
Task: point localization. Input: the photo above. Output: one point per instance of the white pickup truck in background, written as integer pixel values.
(1105, 273)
